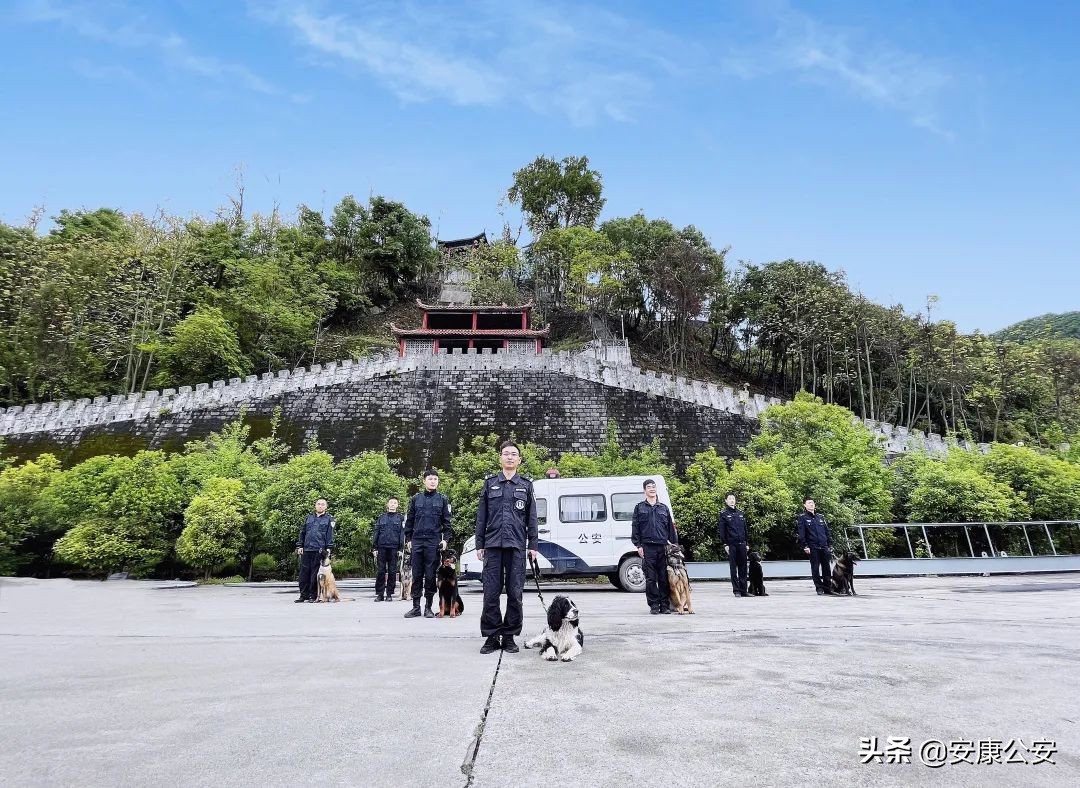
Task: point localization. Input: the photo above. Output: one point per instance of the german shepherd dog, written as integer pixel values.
(450, 603)
(678, 580)
(757, 576)
(327, 586)
(405, 575)
(843, 574)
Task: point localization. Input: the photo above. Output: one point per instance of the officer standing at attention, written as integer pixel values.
(733, 534)
(388, 537)
(651, 529)
(505, 526)
(816, 542)
(427, 527)
(316, 540)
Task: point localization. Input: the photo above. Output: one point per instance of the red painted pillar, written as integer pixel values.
(524, 318)
(401, 348)
(474, 314)
(471, 345)
(436, 349)
(539, 347)
(506, 345)
(424, 325)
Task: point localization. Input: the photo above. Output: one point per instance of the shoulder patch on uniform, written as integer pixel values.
(449, 508)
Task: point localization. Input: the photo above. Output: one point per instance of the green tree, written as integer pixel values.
(557, 194)
(290, 496)
(213, 526)
(20, 527)
(823, 452)
(1049, 486)
(202, 346)
(953, 490)
(101, 547)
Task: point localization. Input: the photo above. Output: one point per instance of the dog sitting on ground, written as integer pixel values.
(843, 575)
(450, 603)
(327, 586)
(678, 580)
(563, 638)
(757, 575)
(405, 576)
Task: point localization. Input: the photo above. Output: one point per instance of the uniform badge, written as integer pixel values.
(519, 505)
(448, 509)
(495, 487)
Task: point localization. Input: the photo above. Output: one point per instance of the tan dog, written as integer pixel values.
(327, 585)
(678, 580)
(405, 575)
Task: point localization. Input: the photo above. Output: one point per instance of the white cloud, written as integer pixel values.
(118, 25)
(577, 61)
(872, 69)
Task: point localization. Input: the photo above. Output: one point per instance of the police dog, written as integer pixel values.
(563, 638)
(327, 586)
(757, 576)
(843, 574)
(678, 580)
(450, 603)
(405, 575)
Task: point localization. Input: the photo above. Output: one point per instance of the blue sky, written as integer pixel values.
(923, 147)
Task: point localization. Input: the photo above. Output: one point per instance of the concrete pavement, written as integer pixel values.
(137, 682)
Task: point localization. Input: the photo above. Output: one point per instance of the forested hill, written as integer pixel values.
(111, 303)
(1049, 326)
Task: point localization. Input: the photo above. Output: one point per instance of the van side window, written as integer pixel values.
(541, 511)
(582, 508)
(622, 504)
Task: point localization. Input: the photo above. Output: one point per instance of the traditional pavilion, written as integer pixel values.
(461, 245)
(456, 328)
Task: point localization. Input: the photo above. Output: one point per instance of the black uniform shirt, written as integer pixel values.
(506, 516)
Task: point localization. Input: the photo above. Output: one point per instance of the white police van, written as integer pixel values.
(584, 529)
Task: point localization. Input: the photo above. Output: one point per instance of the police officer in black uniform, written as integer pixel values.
(505, 526)
(733, 534)
(316, 540)
(388, 538)
(816, 542)
(653, 527)
(427, 527)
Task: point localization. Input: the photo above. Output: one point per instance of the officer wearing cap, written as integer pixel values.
(427, 527)
(505, 527)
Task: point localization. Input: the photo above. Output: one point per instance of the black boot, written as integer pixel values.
(491, 644)
(415, 612)
(509, 645)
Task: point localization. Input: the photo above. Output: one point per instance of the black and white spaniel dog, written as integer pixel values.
(563, 639)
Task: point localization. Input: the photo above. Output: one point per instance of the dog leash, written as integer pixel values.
(536, 579)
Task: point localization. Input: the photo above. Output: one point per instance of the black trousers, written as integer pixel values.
(309, 574)
(737, 562)
(425, 557)
(657, 593)
(819, 568)
(504, 569)
(386, 572)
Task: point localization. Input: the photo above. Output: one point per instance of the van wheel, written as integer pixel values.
(632, 574)
(614, 578)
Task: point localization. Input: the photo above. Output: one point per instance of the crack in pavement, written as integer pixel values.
(473, 750)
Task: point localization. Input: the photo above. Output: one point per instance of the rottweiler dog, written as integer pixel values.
(757, 576)
(843, 574)
(450, 603)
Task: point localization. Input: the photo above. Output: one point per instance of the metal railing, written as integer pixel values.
(990, 551)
